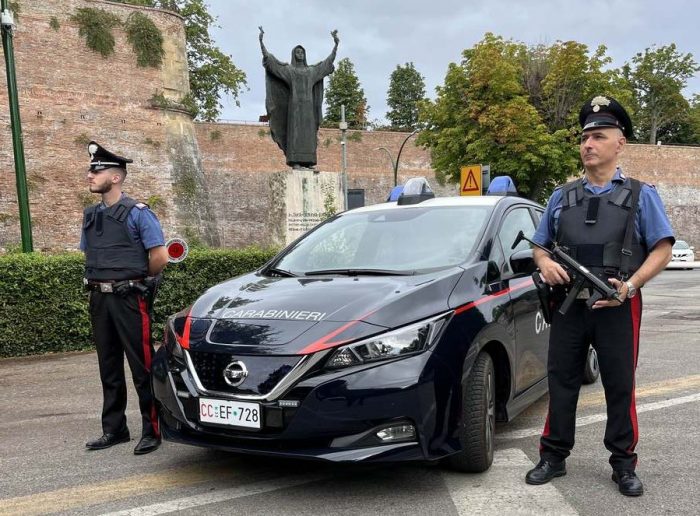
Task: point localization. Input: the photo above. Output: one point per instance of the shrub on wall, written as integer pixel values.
(43, 307)
(146, 39)
(96, 27)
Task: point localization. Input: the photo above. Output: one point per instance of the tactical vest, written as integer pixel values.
(599, 230)
(111, 253)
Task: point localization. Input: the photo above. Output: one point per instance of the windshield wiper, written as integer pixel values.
(361, 272)
(280, 272)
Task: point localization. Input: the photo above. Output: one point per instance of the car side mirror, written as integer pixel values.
(522, 262)
(692, 248)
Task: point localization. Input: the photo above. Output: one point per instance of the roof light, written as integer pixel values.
(415, 190)
(502, 185)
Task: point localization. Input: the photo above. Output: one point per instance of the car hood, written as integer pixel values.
(257, 314)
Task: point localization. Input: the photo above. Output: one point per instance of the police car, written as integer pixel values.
(398, 331)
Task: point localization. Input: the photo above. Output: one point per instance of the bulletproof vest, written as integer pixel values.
(111, 253)
(594, 227)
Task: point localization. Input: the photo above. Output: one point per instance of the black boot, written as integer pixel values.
(108, 440)
(545, 471)
(147, 444)
(628, 482)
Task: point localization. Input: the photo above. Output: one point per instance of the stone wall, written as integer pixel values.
(675, 171)
(68, 95)
(249, 182)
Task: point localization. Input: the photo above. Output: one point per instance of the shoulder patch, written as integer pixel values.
(141, 205)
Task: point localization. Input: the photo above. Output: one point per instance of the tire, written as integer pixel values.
(591, 371)
(477, 424)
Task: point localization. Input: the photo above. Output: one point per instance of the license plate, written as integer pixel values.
(231, 413)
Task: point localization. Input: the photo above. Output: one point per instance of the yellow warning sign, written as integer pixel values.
(470, 180)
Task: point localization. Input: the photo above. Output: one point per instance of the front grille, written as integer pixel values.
(264, 372)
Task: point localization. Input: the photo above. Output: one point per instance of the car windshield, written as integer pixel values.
(403, 240)
(680, 244)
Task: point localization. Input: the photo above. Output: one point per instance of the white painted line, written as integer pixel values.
(502, 490)
(597, 418)
(224, 495)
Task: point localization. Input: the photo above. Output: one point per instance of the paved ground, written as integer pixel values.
(50, 408)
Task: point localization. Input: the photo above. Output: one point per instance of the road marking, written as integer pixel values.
(93, 494)
(502, 489)
(224, 495)
(647, 390)
(597, 418)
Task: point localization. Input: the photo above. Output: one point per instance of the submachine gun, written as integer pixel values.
(580, 276)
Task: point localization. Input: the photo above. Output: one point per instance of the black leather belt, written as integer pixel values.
(108, 287)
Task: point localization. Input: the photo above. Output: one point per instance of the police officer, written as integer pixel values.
(617, 227)
(124, 249)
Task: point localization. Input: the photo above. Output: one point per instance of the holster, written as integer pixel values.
(546, 296)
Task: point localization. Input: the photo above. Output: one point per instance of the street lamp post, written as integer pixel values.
(7, 26)
(395, 164)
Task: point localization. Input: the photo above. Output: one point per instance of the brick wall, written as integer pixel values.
(236, 173)
(69, 94)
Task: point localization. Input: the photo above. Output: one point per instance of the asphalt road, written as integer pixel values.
(50, 407)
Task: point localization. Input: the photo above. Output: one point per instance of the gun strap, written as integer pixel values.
(626, 257)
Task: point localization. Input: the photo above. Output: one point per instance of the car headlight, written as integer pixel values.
(409, 340)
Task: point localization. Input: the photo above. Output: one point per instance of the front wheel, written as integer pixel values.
(592, 370)
(477, 425)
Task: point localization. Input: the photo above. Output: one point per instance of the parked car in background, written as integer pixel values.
(682, 252)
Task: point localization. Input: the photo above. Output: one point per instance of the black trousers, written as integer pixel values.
(122, 326)
(614, 333)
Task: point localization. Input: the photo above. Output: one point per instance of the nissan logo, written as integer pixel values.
(235, 373)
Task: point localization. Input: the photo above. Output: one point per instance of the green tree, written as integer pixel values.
(483, 114)
(212, 73)
(658, 76)
(344, 88)
(406, 91)
(516, 108)
(694, 119)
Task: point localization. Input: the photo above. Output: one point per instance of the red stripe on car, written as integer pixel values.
(323, 342)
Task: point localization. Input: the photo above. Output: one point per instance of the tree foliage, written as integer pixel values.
(658, 76)
(406, 91)
(515, 107)
(344, 88)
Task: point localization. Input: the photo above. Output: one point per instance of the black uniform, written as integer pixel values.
(115, 268)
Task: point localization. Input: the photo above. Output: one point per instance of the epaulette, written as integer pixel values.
(141, 205)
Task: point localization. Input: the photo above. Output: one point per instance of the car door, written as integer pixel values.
(531, 332)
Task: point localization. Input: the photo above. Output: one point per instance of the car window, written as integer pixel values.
(681, 244)
(403, 239)
(516, 220)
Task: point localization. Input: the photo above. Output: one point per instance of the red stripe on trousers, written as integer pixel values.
(545, 432)
(146, 344)
(636, 308)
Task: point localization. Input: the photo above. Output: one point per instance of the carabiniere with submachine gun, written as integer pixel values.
(581, 277)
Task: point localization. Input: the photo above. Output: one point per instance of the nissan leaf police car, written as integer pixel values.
(398, 331)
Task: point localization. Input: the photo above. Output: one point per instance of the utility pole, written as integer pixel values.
(343, 156)
(7, 26)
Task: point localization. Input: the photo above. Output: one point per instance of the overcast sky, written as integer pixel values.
(377, 35)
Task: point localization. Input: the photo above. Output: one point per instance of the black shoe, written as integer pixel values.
(628, 482)
(108, 440)
(545, 471)
(147, 444)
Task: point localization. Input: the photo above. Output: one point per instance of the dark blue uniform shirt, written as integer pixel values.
(651, 224)
(143, 226)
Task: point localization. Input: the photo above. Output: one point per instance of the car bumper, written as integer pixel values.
(682, 259)
(337, 417)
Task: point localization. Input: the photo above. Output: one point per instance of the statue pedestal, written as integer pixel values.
(311, 196)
